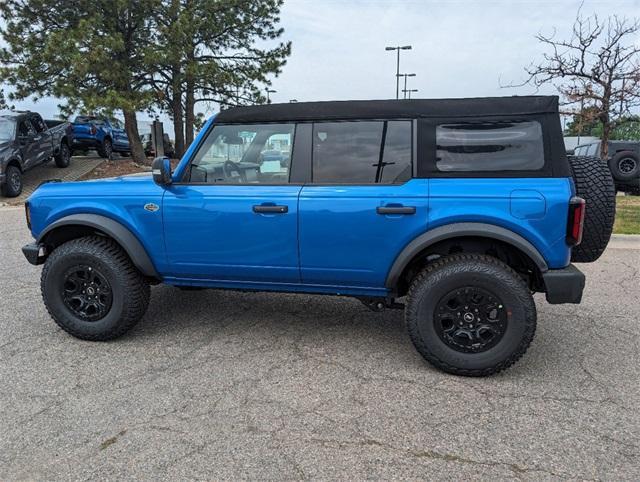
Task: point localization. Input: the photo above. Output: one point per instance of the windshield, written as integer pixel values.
(7, 129)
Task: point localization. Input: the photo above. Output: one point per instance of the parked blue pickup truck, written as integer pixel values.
(104, 135)
(457, 210)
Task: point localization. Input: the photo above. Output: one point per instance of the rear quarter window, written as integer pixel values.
(489, 146)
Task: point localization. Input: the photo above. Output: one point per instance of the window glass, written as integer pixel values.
(362, 152)
(26, 129)
(38, 124)
(244, 154)
(593, 149)
(7, 129)
(489, 146)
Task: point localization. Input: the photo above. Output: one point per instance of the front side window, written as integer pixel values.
(363, 152)
(244, 154)
(489, 146)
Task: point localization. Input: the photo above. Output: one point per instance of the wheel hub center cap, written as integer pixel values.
(468, 317)
(90, 291)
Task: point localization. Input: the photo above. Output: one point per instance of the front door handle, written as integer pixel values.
(270, 209)
(396, 209)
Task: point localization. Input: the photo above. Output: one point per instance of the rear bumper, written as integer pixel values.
(564, 285)
(34, 253)
(84, 142)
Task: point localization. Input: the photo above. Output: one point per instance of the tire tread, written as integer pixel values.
(136, 289)
(411, 315)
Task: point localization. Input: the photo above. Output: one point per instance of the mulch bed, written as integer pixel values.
(115, 168)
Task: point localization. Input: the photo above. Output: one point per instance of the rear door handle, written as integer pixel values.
(270, 208)
(396, 209)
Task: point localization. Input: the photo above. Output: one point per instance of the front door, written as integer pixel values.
(234, 215)
(120, 139)
(363, 206)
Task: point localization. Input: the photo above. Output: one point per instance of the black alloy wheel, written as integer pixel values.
(470, 320)
(86, 293)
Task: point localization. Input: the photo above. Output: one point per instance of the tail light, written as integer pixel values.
(93, 130)
(575, 222)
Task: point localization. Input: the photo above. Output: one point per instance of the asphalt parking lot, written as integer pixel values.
(225, 385)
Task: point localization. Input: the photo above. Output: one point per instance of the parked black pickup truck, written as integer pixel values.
(624, 163)
(26, 141)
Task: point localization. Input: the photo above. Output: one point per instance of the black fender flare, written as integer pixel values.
(461, 230)
(122, 235)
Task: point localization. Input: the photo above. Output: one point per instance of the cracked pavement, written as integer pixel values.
(228, 385)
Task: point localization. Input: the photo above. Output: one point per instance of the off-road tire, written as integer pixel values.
(63, 157)
(12, 186)
(130, 290)
(632, 163)
(105, 150)
(462, 271)
(595, 185)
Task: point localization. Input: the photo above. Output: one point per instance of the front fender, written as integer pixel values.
(123, 236)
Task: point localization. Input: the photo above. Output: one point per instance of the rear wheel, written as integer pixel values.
(470, 315)
(63, 157)
(13, 182)
(92, 290)
(594, 184)
(106, 149)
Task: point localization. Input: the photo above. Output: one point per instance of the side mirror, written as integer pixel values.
(161, 170)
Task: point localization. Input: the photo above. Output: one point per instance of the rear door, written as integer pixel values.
(43, 139)
(363, 205)
(234, 216)
(29, 144)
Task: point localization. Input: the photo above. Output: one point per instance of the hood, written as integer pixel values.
(137, 185)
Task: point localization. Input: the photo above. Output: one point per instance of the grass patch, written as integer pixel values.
(627, 215)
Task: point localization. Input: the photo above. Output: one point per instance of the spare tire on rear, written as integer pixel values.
(594, 184)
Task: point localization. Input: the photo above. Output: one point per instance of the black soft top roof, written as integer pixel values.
(380, 109)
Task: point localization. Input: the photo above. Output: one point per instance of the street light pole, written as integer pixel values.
(408, 91)
(405, 83)
(398, 49)
(269, 91)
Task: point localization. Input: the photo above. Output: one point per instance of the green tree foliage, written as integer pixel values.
(141, 55)
(207, 53)
(588, 124)
(91, 53)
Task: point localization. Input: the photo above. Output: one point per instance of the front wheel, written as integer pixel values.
(13, 182)
(92, 290)
(470, 315)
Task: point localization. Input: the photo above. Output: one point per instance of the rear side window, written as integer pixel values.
(489, 146)
(362, 152)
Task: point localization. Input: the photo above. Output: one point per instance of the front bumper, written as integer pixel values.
(564, 285)
(34, 253)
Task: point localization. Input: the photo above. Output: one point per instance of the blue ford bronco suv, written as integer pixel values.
(457, 210)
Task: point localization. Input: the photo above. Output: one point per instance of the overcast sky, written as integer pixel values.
(460, 48)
